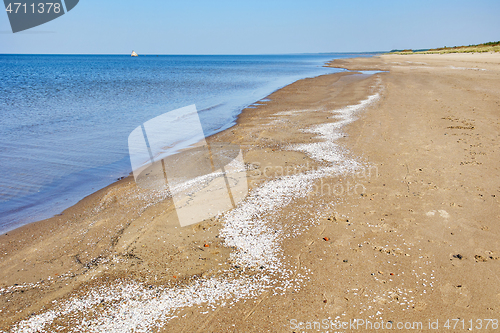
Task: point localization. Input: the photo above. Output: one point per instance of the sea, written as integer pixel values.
(65, 119)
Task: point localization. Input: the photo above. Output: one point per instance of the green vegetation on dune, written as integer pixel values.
(485, 47)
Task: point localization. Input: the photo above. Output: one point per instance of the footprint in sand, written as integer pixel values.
(334, 304)
(441, 212)
(457, 295)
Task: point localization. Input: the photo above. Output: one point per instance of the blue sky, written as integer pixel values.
(257, 27)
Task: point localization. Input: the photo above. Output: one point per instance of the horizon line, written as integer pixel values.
(200, 54)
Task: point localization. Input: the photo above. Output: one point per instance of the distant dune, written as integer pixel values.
(485, 47)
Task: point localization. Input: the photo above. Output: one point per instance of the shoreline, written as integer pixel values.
(72, 183)
(387, 240)
(89, 200)
(130, 175)
(225, 128)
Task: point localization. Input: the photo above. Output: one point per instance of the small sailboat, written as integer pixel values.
(134, 54)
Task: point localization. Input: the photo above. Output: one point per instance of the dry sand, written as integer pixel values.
(373, 197)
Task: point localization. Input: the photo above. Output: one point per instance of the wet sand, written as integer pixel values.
(372, 197)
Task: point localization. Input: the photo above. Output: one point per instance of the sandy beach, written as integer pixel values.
(373, 200)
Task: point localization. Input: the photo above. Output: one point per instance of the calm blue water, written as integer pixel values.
(65, 119)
